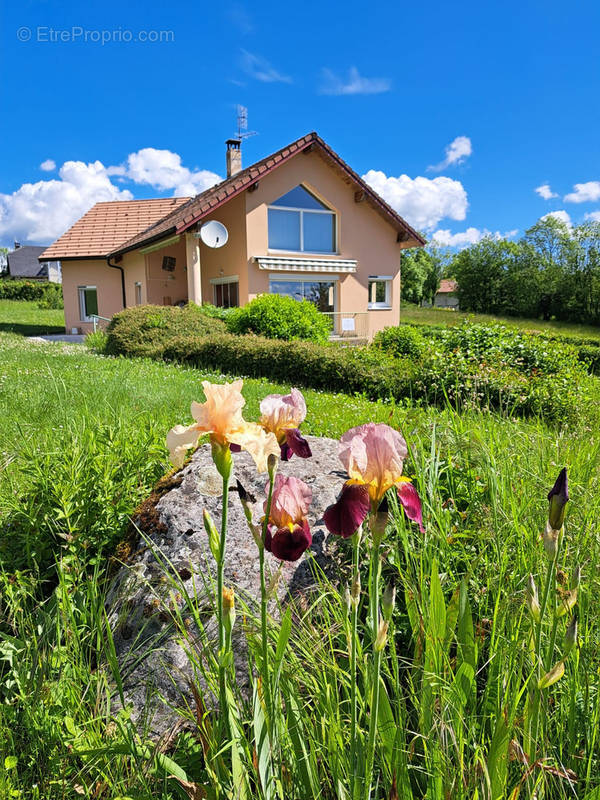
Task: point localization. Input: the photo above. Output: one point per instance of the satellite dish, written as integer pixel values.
(214, 234)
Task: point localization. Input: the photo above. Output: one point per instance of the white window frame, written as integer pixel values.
(304, 278)
(138, 292)
(220, 282)
(303, 211)
(81, 295)
(387, 304)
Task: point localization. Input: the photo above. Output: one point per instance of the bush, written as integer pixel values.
(278, 317)
(146, 330)
(96, 341)
(590, 356)
(28, 290)
(401, 341)
(52, 298)
(216, 312)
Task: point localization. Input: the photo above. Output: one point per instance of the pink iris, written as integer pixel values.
(283, 415)
(373, 455)
(288, 534)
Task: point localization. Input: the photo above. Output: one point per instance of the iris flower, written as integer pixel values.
(221, 417)
(288, 534)
(282, 415)
(373, 456)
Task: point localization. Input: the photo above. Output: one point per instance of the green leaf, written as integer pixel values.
(239, 772)
(467, 650)
(10, 762)
(70, 726)
(497, 761)
(261, 743)
(284, 635)
(554, 675)
(304, 761)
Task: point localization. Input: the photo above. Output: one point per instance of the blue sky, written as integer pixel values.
(391, 86)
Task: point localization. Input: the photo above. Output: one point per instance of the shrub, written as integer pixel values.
(216, 312)
(52, 298)
(96, 341)
(146, 330)
(278, 317)
(28, 290)
(590, 356)
(401, 341)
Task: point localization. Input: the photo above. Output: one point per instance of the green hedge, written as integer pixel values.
(590, 356)
(29, 290)
(145, 330)
(279, 317)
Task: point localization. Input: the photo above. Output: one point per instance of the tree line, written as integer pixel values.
(553, 271)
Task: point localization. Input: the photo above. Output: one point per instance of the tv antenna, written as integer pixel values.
(242, 124)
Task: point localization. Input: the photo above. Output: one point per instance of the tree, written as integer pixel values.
(422, 270)
(480, 271)
(3, 259)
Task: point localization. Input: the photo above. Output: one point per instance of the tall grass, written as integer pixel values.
(81, 444)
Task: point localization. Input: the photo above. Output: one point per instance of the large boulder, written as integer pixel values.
(172, 558)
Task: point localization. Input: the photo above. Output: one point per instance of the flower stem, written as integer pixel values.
(220, 620)
(353, 676)
(375, 575)
(266, 678)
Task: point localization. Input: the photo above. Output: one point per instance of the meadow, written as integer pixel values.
(82, 443)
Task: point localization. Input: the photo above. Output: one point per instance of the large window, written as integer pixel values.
(319, 292)
(225, 292)
(88, 302)
(299, 222)
(380, 291)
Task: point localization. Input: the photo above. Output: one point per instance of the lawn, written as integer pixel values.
(439, 316)
(27, 319)
(82, 443)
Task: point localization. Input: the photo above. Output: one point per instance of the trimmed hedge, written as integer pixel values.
(28, 290)
(279, 317)
(401, 340)
(145, 330)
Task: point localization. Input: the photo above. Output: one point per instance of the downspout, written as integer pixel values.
(116, 266)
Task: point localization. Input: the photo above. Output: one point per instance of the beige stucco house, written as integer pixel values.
(301, 222)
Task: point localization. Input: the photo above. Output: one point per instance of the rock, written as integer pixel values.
(154, 659)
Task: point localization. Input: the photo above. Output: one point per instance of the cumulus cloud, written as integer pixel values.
(545, 191)
(163, 170)
(561, 215)
(423, 202)
(354, 83)
(584, 193)
(593, 216)
(260, 69)
(471, 236)
(457, 151)
(48, 165)
(41, 212)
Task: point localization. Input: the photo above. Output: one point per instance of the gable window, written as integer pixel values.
(225, 292)
(380, 291)
(299, 222)
(88, 302)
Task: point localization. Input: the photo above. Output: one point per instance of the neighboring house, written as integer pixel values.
(447, 295)
(301, 223)
(24, 262)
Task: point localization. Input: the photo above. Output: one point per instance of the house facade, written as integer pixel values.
(447, 294)
(300, 223)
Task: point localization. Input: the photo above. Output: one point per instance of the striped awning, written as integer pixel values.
(287, 264)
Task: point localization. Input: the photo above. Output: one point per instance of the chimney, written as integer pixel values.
(17, 245)
(234, 156)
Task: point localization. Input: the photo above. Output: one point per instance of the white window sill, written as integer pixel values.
(295, 253)
(379, 307)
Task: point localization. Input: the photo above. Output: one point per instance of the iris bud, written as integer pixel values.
(381, 639)
(571, 635)
(212, 533)
(532, 599)
(388, 601)
(558, 497)
(228, 608)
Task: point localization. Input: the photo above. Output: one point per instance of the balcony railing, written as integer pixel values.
(349, 325)
(95, 319)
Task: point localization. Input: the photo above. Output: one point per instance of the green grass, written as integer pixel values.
(25, 318)
(440, 316)
(82, 442)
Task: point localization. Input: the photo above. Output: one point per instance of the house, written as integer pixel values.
(24, 263)
(447, 294)
(300, 222)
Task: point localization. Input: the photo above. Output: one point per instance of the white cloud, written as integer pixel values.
(40, 212)
(584, 193)
(240, 17)
(561, 215)
(423, 202)
(471, 236)
(48, 165)
(355, 83)
(456, 152)
(163, 170)
(261, 70)
(593, 216)
(545, 191)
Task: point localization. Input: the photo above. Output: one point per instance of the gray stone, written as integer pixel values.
(156, 661)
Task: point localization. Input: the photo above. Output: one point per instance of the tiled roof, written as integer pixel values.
(203, 204)
(23, 262)
(108, 225)
(447, 286)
